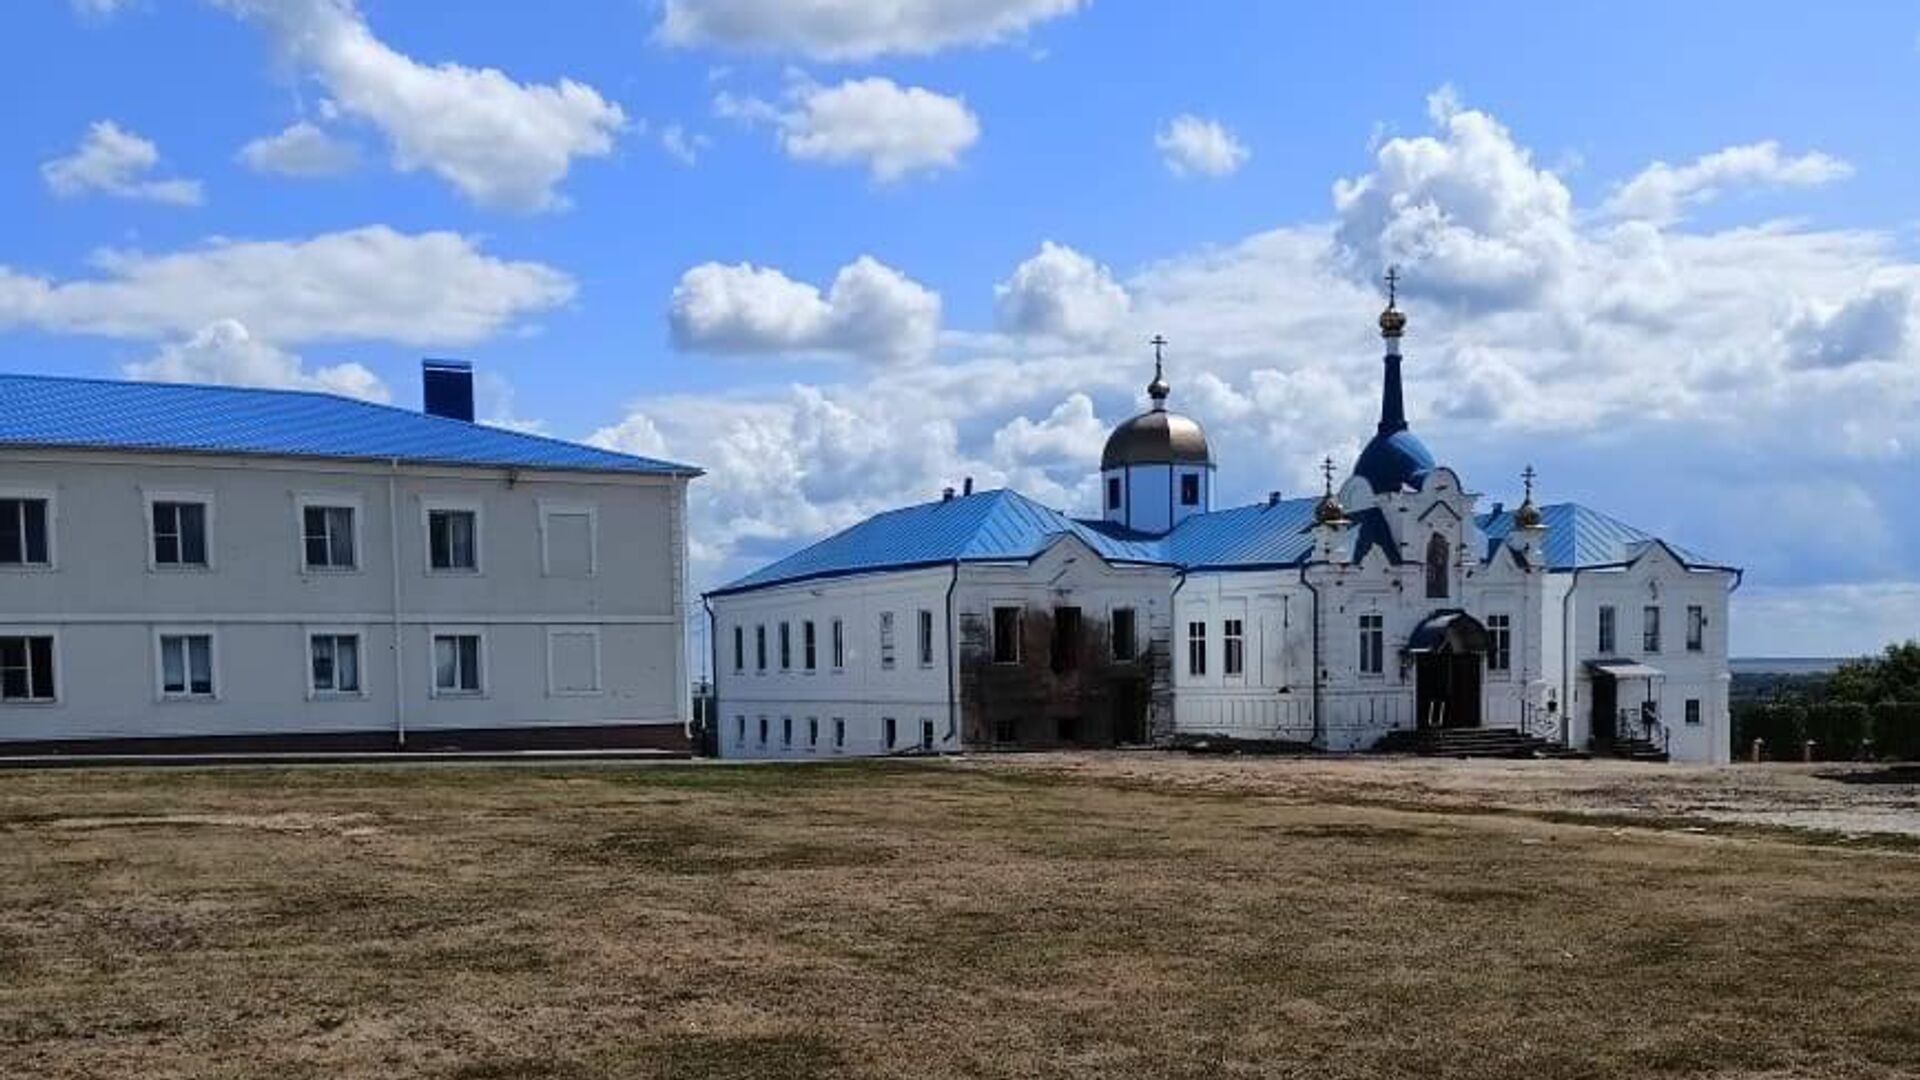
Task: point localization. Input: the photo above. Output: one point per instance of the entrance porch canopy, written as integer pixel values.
(1451, 631)
(1624, 669)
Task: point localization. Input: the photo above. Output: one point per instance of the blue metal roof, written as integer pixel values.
(42, 410)
(999, 526)
(1579, 537)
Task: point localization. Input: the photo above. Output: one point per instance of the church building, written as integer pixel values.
(1393, 611)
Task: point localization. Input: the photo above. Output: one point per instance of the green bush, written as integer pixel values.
(1782, 726)
(1838, 729)
(1896, 730)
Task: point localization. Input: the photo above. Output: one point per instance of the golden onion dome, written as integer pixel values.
(1393, 323)
(1327, 511)
(1527, 516)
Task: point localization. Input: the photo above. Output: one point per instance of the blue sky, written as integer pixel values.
(842, 255)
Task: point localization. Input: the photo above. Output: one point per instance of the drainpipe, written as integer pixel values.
(393, 549)
(1566, 658)
(1314, 591)
(953, 700)
(1173, 639)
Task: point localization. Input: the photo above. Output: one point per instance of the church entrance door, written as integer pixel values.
(1447, 689)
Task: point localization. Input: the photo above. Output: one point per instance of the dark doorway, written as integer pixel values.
(1447, 689)
(1129, 713)
(1606, 708)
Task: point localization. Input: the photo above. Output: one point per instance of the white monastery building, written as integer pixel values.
(222, 568)
(1395, 612)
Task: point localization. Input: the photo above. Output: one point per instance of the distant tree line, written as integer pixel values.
(1865, 708)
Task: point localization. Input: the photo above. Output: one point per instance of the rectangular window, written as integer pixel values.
(1126, 644)
(839, 645)
(839, 732)
(760, 647)
(334, 663)
(786, 731)
(809, 646)
(1693, 712)
(1190, 490)
(1373, 644)
(329, 537)
(1006, 635)
(180, 534)
(453, 540)
(813, 731)
(1113, 493)
(926, 734)
(763, 731)
(1196, 648)
(1066, 638)
(926, 638)
(1233, 647)
(568, 546)
(1499, 643)
(26, 668)
(886, 640)
(1608, 642)
(890, 731)
(1696, 628)
(786, 646)
(186, 665)
(23, 533)
(740, 729)
(1650, 629)
(739, 648)
(456, 664)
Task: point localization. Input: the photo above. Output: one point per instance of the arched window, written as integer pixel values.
(1438, 555)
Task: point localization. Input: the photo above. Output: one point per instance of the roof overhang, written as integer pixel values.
(1624, 669)
(1451, 631)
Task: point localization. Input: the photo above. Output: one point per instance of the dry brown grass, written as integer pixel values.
(928, 919)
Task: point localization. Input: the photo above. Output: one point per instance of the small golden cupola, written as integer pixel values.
(1327, 511)
(1528, 515)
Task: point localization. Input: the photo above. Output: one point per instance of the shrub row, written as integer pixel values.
(1841, 731)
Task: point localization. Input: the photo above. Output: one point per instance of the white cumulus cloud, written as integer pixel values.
(500, 143)
(224, 353)
(892, 130)
(871, 311)
(1060, 293)
(303, 150)
(113, 161)
(1662, 192)
(1195, 145)
(852, 29)
(433, 288)
(1875, 325)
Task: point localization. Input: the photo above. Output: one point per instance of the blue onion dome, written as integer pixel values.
(1394, 461)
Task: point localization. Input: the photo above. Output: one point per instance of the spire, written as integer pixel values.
(1328, 511)
(1158, 388)
(1393, 411)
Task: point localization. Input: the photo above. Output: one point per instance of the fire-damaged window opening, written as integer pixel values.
(1006, 635)
(1125, 644)
(1066, 638)
(1196, 648)
(1233, 642)
(926, 638)
(886, 642)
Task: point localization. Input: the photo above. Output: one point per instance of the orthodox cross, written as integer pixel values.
(1158, 343)
(1393, 285)
(1326, 470)
(1528, 475)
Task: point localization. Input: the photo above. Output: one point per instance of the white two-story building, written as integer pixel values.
(223, 568)
(1396, 607)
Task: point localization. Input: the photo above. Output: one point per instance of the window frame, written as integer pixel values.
(739, 648)
(923, 636)
(1196, 648)
(888, 641)
(1500, 643)
(552, 508)
(1439, 567)
(1133, 633)
(216, 684)
(1696, 628)
(152, 497)
(1650, 636)
(440, 504)
(599, 687)
(1190, 489)
(786, 645)
(890, 731)
(839, 644)
(1115, 493)
(1606, 630)
(1373, 644)
(994, 633)
(1233, 648)
(760, 648)
(839, 733)
(482, 677)
(27, 633)
(343, 500)
(314, 693)
(809, 646)
(1695, 714)
(51, 498)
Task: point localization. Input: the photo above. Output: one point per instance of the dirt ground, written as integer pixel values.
(1100, 915)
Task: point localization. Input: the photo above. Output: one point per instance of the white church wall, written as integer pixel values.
(853, 699)
(1271, 696)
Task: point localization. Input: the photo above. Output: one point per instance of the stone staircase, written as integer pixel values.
(1470, 743)
(1630, 750)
